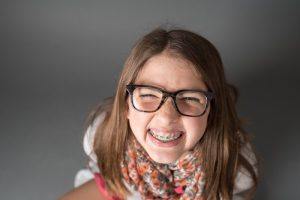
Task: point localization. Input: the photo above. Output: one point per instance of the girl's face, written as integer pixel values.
(171, 74)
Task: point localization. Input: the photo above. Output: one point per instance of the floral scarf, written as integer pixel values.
(183, 179)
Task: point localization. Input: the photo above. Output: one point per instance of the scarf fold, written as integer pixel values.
(183, 179)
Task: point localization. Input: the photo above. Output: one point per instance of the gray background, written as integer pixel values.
(58, 59)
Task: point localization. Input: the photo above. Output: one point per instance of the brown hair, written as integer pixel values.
(224, 138)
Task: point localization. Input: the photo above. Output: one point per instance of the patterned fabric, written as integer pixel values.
(183, 179)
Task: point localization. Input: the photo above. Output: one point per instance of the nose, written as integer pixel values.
(167, 113)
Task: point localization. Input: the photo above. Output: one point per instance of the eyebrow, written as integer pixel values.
(165, 89)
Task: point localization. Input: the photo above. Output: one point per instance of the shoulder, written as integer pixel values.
(244, 182)
(89, 136)
(88, 190)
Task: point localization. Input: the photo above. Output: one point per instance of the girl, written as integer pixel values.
(171, 131)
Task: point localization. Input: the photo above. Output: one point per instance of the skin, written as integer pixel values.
(171, 74)
(86, 191)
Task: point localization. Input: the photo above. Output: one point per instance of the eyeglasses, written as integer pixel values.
(146, 98)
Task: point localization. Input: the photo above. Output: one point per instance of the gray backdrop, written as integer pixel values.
(59, 58)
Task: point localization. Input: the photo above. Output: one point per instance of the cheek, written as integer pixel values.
(195, 128)
(138, 121)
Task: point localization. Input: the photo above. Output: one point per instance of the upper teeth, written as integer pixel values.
(165, 138)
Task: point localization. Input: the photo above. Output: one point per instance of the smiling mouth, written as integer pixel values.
(167, 138)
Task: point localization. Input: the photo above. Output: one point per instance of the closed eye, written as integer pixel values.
(190, 99)
(148, 95)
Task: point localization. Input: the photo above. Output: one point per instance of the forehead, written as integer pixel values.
(170, 73)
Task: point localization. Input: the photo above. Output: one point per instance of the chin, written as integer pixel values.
(163, 159)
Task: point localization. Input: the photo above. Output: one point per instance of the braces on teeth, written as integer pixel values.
(167, 138)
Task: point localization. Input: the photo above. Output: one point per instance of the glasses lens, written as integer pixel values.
(146, 98)
(191, 102)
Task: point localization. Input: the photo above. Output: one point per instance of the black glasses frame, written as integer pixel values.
(209, 96)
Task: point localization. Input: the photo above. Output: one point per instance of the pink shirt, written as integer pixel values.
(101, 186)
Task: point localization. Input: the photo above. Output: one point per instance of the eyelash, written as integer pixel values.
(147, 95)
